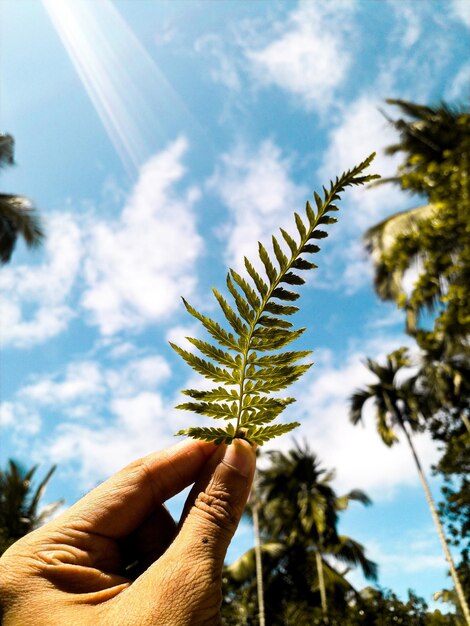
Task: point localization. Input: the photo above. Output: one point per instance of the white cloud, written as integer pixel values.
(409, 556)
(166, 33)
(409, 28)
(139, 426)
(135, 268)
(310, 57)
(407, 551)
(260, 195)
(34, 305)
(82, 381)
(459, 86)
(143, 373)
(98, 418)
(178, 334)
(86, 381)
(135, 424)
(461, 9)
(138, 266)
(393, 317)
(118, 349)
(224, 71)
(362, 130)
(20, 419)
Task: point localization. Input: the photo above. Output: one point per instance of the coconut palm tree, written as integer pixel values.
(402, 406)
(19, 503)
(433, 236)
(444, 376)
(18, 217)
(298, 514)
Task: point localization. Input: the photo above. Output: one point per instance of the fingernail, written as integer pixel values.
(241, 456)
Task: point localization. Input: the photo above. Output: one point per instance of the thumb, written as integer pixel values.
(215, 506)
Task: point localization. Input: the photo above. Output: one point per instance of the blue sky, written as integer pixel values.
(161, 140)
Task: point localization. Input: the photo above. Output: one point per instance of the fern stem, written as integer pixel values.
(303, 240)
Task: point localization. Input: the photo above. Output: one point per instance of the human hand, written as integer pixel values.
(80, 568)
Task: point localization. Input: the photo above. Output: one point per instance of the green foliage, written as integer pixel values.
(17, 215)
(247, 366)
(19, 503)
(434, 237)
(369, 607)
(377, 607)
(298, 523)
(396, 402)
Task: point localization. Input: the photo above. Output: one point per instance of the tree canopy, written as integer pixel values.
(431, 244)
(18, 217)
(433, 239)
(19, 502)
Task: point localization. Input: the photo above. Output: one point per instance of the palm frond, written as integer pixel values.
(257, 325)
(355, 495)
(382, 236)
(352, 552)
(18, 218)
(245, 565)
(357, 402)
(384, 427)
(334, 578)
(7, 145)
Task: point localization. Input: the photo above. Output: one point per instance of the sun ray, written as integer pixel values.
(138, 106)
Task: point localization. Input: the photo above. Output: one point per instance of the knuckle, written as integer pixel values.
(215, 503)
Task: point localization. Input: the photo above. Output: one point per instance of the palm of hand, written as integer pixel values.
(117, 557)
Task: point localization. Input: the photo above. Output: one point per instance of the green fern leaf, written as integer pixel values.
(282, 358)
(223, 337)
(257, 326)
(248, 291)
(280, 309)
(206, 368)
(270, 270)
(259, 282)
(270, 322)
(300, 225)
(217, 435)
(260, 435)
(223, 358)
(212, 409)
(273, 341)
(280, 256)
(292, 279)
(230, 314)
(245, 308)
(283, 294)
(218, 393)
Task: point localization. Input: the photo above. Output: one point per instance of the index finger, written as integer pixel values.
(120, 504)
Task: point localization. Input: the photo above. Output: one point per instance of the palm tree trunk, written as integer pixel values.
(466, 421)
(440, 530)
(321, 584)
(259, 565)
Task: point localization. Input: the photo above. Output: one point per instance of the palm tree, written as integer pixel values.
(444, 376)
(19, 503)
(298, 521)
(433, 236)
(401, 405)
(18, 217)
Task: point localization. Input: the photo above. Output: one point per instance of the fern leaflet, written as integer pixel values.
(245, 374)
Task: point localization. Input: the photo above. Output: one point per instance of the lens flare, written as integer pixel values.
(138, 107)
